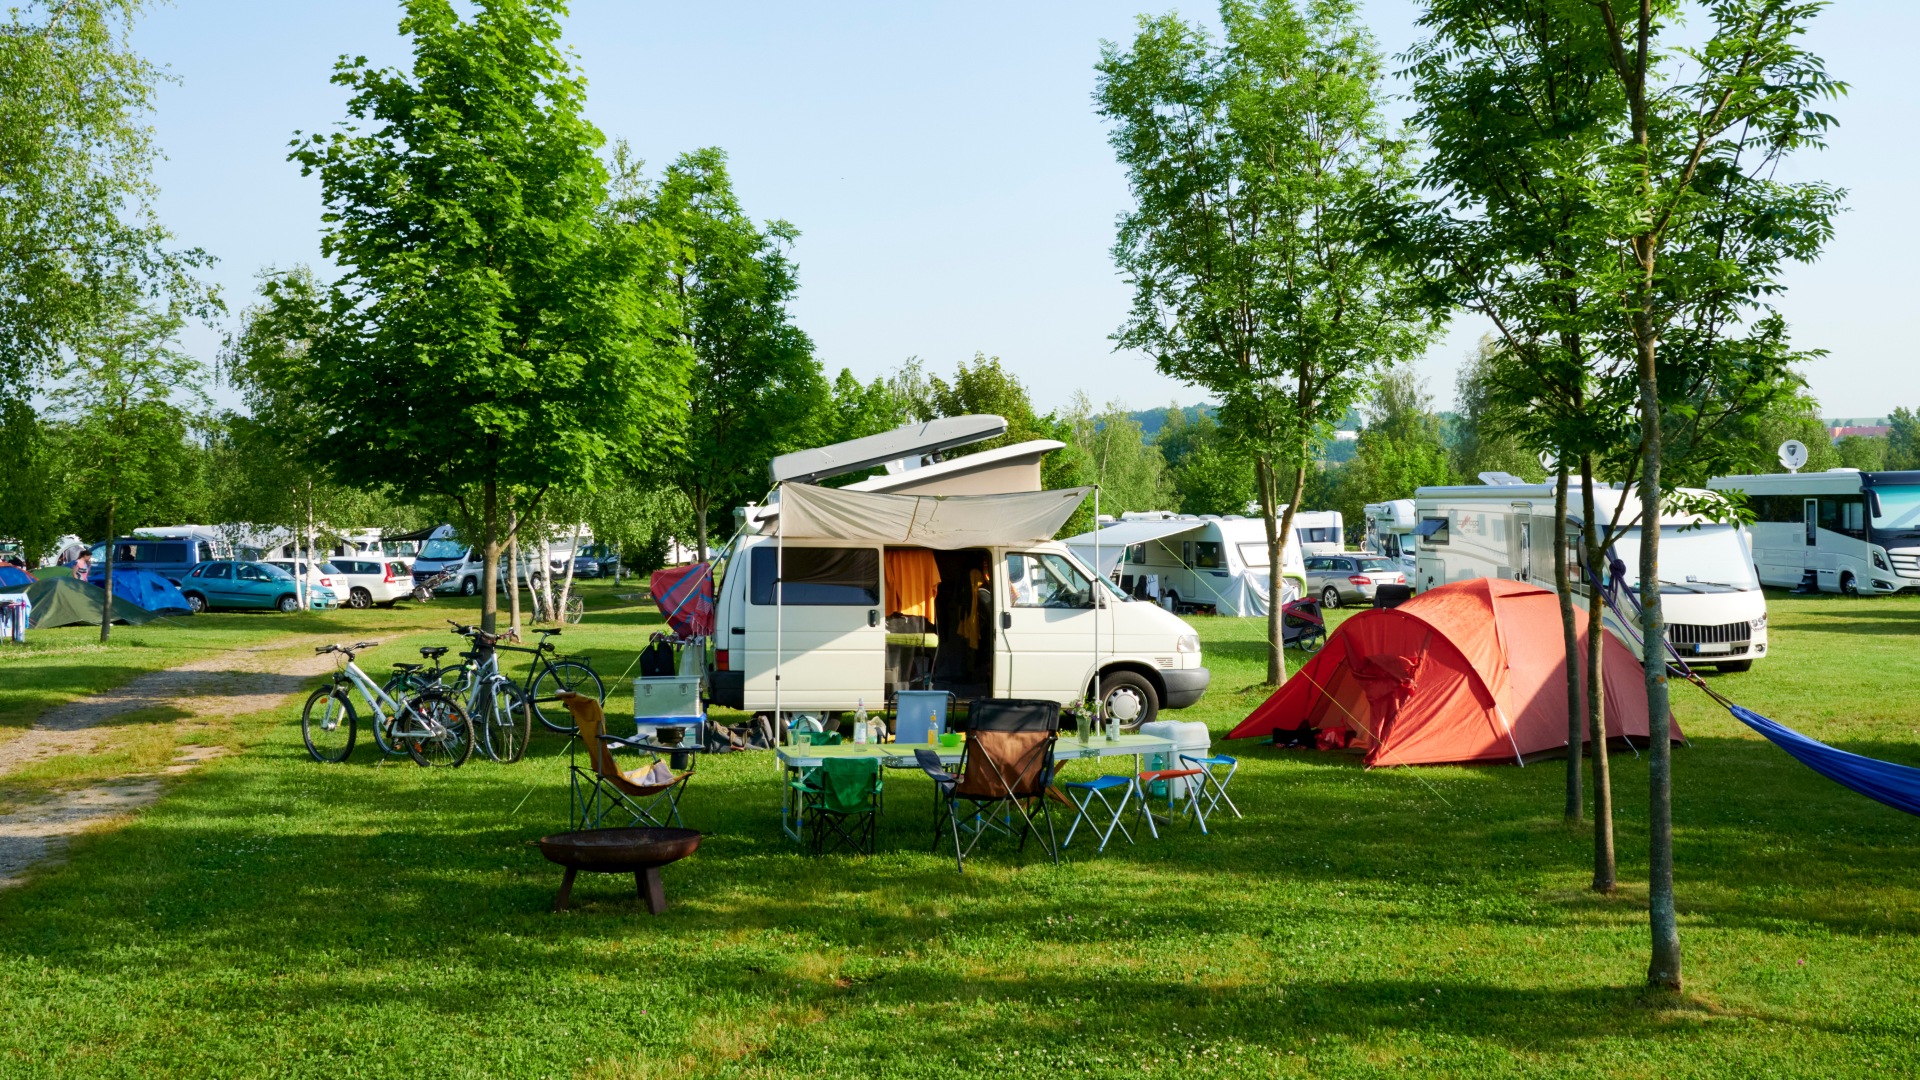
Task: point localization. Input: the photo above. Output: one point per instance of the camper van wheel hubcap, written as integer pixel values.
(1124, 704)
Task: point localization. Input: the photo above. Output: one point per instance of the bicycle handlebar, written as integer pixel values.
(348, 649)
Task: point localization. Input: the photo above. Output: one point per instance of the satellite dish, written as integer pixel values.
(1793, 455)
(1550, 461)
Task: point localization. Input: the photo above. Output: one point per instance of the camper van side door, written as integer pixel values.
(833, 643)
(1046, 644)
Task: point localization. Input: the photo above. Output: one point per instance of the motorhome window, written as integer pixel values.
(1896, 507)
(1318, 536)
(1135, 553)
(1255, 556)
(818, 577)
(1047, 580)
(1844, 514)
(1692, 558)
(1206, 554)
(1434, 529)
(443, 549)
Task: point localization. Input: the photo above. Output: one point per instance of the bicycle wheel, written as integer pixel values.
(564, 677)
(400, 687)
(327, 724)
(576, 610)
(435, 731)
(508, 724)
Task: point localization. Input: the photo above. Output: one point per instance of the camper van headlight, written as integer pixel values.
(1880, 562)
(1187, 643)
(1758, 624)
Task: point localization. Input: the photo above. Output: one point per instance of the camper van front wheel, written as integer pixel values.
(1129, 698)
(1848, 586)
(469, 587)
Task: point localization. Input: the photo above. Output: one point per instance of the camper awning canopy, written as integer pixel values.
(942, 522)
(1115, 539)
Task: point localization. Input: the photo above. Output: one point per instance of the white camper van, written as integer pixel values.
(1192, 563)
(831, 598)
(1841, 530)
(1715, 611)
(1320, 532)
(1389, 531)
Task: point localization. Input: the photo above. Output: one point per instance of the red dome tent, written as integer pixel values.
(1472, 671)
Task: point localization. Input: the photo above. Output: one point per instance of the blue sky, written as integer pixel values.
(953, 188)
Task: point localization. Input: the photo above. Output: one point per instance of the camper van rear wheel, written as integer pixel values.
(1129, 698)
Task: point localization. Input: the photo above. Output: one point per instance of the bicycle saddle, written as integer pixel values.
(408, 667)
(433, 652)
(548, 633)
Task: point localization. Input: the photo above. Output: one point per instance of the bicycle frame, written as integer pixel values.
(379, 701)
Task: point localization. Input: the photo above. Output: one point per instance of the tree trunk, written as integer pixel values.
(566, 586)
(311, 565)
(106, 609)
(1605, 876)
(1563, 585)
(1663, 970)
(546, 575)
(1277, 525)
(489, 554)
(513, 560)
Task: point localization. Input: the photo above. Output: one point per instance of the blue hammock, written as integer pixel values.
(1882, 781)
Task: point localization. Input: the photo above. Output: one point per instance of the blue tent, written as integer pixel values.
(13, 575)
(147, 589)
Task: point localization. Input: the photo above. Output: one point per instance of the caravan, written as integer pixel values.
(1715, 611)
(1320, 532)
(1389, 532)
(833, 598)
(1841, 530)
(1192, 563)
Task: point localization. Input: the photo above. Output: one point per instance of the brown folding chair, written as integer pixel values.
(1004, 773)
(602, 788)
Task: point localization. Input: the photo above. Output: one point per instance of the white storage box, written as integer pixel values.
(666, 699)
(1189, 737)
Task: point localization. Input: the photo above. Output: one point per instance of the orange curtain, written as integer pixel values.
(912, 579)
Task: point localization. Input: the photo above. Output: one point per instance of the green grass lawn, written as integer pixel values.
(275, 917)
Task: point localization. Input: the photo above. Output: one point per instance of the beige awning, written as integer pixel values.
(942, 522)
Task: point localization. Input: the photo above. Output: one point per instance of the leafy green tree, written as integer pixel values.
(1401, 448)
(1903, 439)
(1797, 418)
(1868, 453)
(34, 509)
(755, 390)
(1485, 439)
(1254, 273)
(128, 395)
(1130, 471)
(498, 324)
(1704, 227)
(986, 386)
(1209, 476)
(76, 201)
(860, 409)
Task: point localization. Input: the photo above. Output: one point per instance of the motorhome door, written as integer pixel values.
(833, 642)
(1046, 628)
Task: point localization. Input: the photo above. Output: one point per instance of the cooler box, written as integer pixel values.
(668, 701)
(916, 712)
(1189, 737)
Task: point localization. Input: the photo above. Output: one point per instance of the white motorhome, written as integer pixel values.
(1192, 563)
(1320, 532)
(830, 598)
(1841, 530)
(1389, 531)
(1715, 611)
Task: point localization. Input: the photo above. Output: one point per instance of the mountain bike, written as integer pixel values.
(430, 726)
(502, 711)
(552, 675)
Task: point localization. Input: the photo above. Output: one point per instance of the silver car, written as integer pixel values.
(1337, 579)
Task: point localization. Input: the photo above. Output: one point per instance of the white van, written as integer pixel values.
(1320, 532)
(1842, 530)
(1389, 531)
(1192, 563)
(969, 594)
(1715, 611)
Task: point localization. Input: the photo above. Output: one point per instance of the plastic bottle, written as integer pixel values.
(860, 723)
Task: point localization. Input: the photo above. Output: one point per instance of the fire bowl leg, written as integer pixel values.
(566, 890)
(647, 884)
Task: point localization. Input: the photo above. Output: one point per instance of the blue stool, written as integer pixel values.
(1213, 785)
(1086, 792)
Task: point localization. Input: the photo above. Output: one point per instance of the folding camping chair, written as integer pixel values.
(602, 788)
(840, 798)
(1005, 769)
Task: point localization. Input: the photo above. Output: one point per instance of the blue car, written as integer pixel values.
(230, 583)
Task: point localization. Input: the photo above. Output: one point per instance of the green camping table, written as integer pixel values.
(1066, 748)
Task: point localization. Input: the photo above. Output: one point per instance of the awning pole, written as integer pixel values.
(779, 640)
(1095, 593)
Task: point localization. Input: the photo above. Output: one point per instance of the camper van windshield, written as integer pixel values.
(1896, 507)
(1255, 556)
(1709, 558)
(443, 549)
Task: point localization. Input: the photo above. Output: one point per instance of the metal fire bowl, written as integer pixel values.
(638, 851)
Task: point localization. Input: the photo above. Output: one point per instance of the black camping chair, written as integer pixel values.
(1004, 772)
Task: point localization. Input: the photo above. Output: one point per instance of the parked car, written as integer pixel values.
(585, 566)
(319, 575)
(230, 583)
(364, 582)
(1336, 579)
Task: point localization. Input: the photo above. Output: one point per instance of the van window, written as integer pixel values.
(1047, 580)
(1844, 514)
(818, 577)
(1206, 555)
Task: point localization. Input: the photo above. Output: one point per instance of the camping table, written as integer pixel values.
(1065, 749)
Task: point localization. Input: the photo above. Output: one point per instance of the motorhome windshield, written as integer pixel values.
(1896, 508)
(1705, 558)
(443, 549)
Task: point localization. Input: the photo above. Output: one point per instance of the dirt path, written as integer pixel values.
(233, 683)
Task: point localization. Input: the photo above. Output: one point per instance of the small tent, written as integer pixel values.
(1472, 671)
(13, 575)
(147, 589)
(66, 602)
